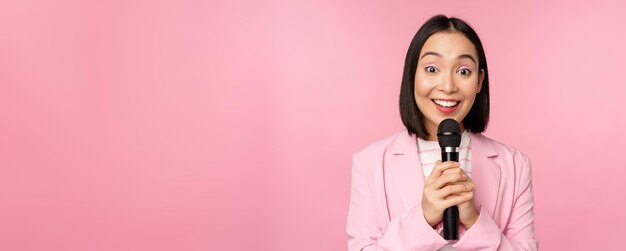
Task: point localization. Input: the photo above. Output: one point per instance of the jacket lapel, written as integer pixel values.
(403, 164)
(406, 170)
(485, 173)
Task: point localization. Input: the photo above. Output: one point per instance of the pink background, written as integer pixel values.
(227, 125)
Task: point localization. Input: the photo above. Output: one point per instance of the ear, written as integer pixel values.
(481, 77)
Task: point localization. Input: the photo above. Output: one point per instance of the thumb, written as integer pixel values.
(433, 173)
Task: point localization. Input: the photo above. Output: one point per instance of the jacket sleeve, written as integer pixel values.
(409, 231)
(519, 233)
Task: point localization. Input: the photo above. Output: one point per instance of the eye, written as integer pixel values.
(430, 69)
(464, 71)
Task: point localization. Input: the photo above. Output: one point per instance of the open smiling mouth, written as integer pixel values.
(446, 106)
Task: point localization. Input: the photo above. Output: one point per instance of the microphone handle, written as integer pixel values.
(451, 214)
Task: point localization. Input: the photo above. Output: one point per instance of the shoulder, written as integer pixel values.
(377, 149)
(510, 159)
(380, 145)
(502, 149)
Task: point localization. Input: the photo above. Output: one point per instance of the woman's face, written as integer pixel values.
(447, 79)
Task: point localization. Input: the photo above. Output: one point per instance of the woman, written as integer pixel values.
(400, 188)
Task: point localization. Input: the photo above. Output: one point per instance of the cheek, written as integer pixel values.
(470, 90)
(423, 87)
(469, 87)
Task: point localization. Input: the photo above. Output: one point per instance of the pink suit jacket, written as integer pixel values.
(385, 211)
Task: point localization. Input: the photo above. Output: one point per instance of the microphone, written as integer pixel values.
(449, 137)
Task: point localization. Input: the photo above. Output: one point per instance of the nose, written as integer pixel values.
(447, 84)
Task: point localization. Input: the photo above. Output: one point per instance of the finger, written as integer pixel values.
(453, 170)
(449, 179)
(453, 190)
(441, 167)
(462, 194)
(467, 182)
(455, 200)
(431, 177)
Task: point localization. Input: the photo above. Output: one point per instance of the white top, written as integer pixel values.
(430, 152)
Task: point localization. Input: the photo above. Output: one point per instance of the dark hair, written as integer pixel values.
(478, 116)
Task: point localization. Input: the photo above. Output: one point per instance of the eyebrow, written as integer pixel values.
(439, 55)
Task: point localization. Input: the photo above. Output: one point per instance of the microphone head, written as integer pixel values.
(449, 133)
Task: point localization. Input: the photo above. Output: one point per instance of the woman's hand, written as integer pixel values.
(467, 212)
(448, 185)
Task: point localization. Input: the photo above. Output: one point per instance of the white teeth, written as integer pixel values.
(446, 103)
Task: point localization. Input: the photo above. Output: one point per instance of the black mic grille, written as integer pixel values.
(449, 133)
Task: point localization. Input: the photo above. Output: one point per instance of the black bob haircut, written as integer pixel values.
(478, 116)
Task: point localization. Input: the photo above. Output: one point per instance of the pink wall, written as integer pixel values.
(186, 125)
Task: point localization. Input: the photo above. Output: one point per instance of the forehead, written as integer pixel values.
(449, 44)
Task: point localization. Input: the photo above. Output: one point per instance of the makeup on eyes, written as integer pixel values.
(471, 69)
(466, 68)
